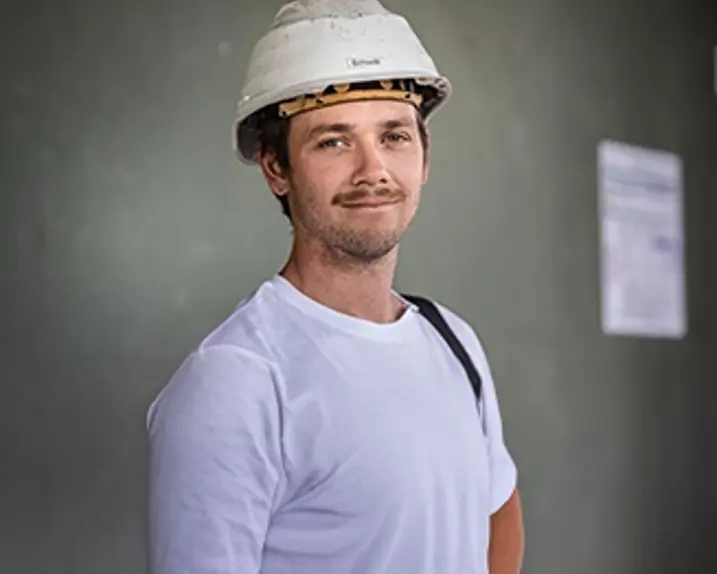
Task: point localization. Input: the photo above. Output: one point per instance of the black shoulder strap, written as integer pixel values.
(429, 310)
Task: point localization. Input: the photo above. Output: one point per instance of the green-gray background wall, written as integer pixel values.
(127, 229)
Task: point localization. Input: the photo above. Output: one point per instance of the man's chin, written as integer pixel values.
(367, 252)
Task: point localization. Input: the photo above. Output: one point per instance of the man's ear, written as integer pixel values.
(426, 159)
(276, 177)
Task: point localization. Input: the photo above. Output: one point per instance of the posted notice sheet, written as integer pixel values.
(642, 242)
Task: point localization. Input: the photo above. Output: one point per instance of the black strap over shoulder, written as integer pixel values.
(431, 312)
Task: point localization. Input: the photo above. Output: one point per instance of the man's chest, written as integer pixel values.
(388, 426)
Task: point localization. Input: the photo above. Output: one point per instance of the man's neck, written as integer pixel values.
(363, 291)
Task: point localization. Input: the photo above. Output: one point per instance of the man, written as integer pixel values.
(326, 426)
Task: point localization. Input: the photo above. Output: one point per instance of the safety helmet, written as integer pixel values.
(322, 52)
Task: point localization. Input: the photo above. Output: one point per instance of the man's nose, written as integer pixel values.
(370, 165)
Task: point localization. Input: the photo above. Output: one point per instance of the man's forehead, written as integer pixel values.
(356, 116)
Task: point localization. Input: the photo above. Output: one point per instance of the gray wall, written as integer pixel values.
(127, 230)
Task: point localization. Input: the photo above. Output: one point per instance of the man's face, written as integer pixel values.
(356, 174)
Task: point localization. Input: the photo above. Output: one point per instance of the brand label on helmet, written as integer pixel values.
(363, 62)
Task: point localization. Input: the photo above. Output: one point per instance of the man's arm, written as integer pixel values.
(507, 538)
(215, 465)
(506, 547)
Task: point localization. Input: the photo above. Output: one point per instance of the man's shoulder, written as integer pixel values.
(463, 329)
(242, 327)
(233, 355)
(461, 326)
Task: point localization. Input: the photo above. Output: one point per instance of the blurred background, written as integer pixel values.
(128, 229)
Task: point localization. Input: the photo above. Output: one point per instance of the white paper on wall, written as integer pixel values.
(642, 242)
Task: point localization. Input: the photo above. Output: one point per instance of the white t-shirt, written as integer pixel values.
(299, 440)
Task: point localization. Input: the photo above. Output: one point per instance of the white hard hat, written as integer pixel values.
(320, 52)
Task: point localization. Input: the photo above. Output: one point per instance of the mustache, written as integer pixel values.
(356, 195)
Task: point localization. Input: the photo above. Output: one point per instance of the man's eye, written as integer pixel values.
(395, 137)
(329, 143)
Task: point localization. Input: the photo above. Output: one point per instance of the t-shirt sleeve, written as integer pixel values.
(215, 466)
(503, 470)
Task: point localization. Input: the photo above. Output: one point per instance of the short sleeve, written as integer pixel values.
(503, 470)
(215, 464)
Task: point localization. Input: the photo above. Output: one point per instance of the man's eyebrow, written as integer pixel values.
(344, 128)
(404, 122)
(322, 129)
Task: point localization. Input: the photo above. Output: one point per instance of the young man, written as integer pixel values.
(326, 425)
